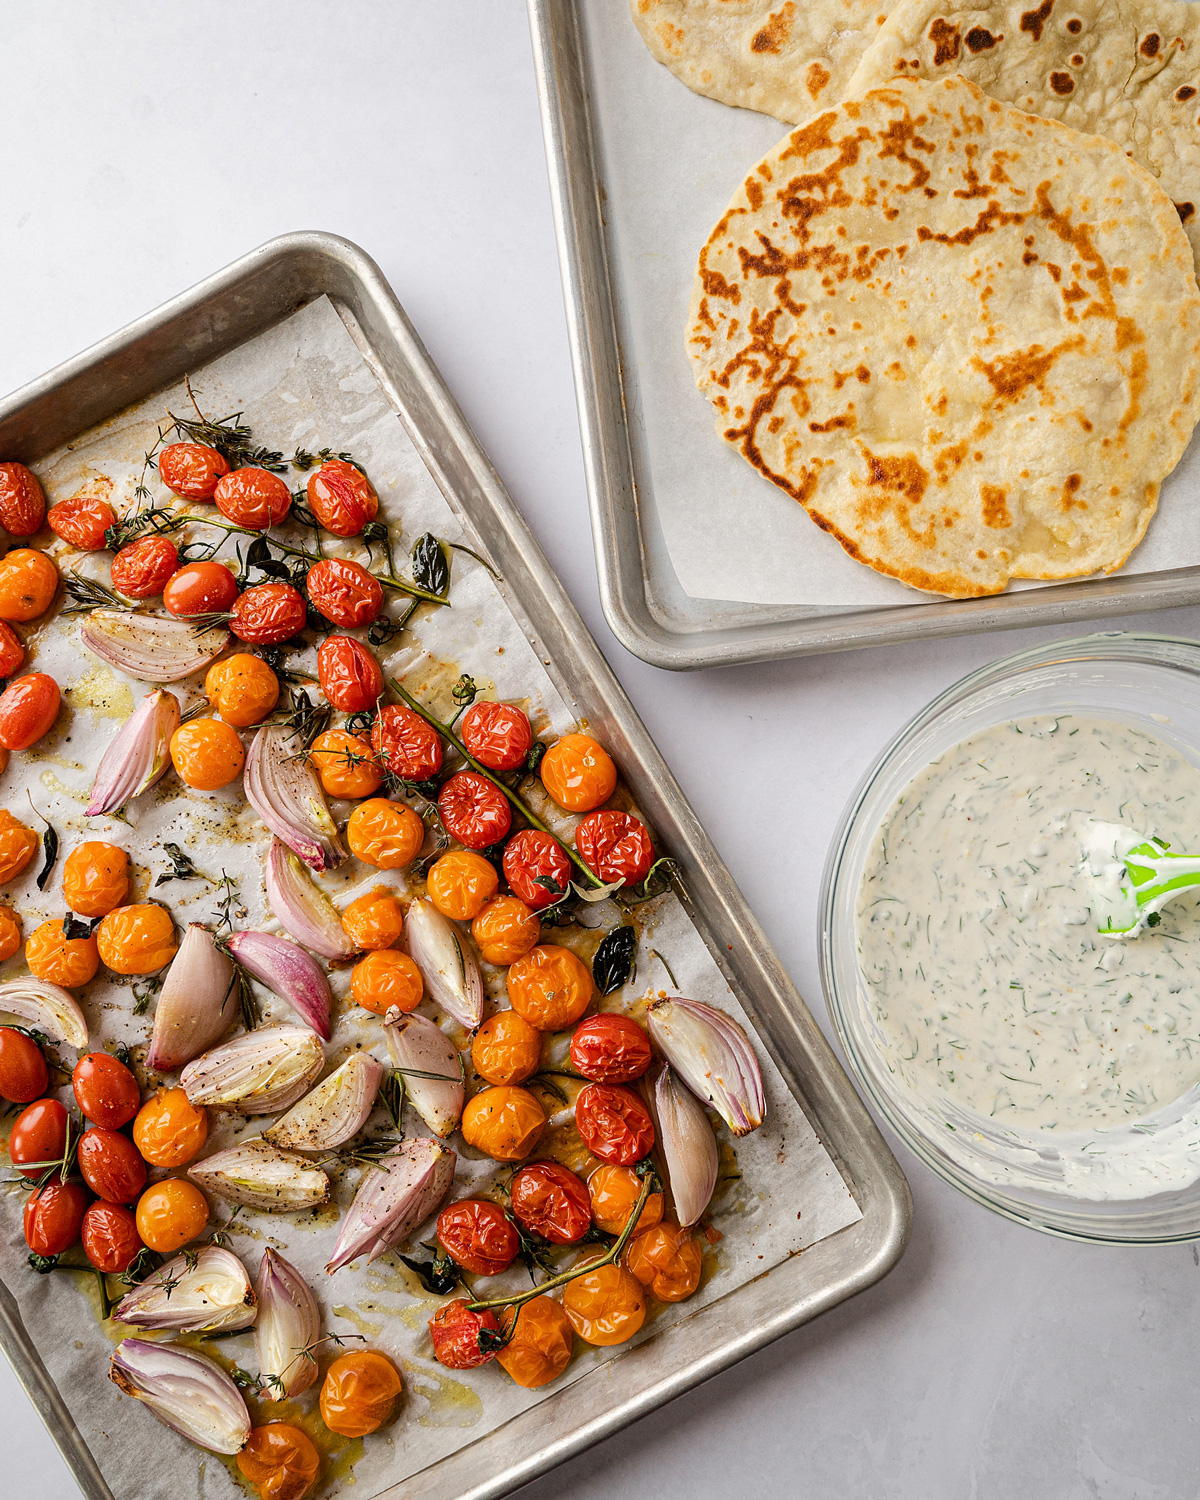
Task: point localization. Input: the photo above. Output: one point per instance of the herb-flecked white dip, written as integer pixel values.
(977, 936)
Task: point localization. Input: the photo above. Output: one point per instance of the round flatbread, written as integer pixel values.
(964, 338)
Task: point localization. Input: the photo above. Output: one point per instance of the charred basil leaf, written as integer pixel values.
(534, 759)
(430, 569)
(439, 1275)
(75, 927)
(181, 866)
(50, 849)
(613, 964)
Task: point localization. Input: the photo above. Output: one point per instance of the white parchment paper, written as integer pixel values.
(306, 383)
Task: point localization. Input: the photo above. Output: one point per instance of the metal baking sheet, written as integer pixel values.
(613, 308)
(223, 312)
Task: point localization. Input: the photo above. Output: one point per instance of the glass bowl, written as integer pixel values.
(1150, 681)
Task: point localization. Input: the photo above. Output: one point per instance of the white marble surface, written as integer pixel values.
(142, 146)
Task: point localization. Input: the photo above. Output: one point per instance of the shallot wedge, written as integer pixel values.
(289, 972)
(138, 754)
(289, 1324)
(393, 1199)
(257, 1073)
(430, 1065)
(262, 1176)
(447, 965)
(152, 648)
(197, 1004)
(713, 1056)
(334, 1112)
(304, 910)
(284, 791)
(186, 1392)
(199, 1294)
(47, 1007)
(687, 1145)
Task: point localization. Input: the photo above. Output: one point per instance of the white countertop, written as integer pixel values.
(143, 146)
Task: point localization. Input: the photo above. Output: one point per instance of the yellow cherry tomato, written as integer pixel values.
(384, 979)
(666, 1259)
(61, 960)
(504, 1123)
(346, 764)
(171, 1214)
(207, 754)
(242, 689)
(385, 834)
(18, 845)
(606, 1306)
(506, 929)
(578, 773)
(95, 878)
(460, 883)
(10, 932)
(614, 1192)
(136, 939)
(169, 1130)
(280, 1461)
(550, 987)
(506, 1049)
(359, 1392)
(375, 920)
(541, 1343)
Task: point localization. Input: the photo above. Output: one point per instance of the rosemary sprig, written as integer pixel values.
(87, 594)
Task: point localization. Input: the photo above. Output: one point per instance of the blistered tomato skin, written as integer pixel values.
(384, 979)
(39, 1134)
(359, 1392)
(550, 1200)
(610, 1049)
(551, 987)
(95, 878)
(110, 1238)
(28, 709)
(342, 498)
(349, 675)
(615, 846)
(23, 1071)
(536, 868)
(111, 1165)
(105, 1090)
(18, 845)
(614, 1192)
(345, 764)
(136, 939)
(242, 688)
(460, 883)
(207, 754)
(506, 1049)
(667, 1260)
(10, 932)
(22, 501)
(253, 497)
(169, 1130)
(280, 1461)
(613, 1123)
(141, 570)
(476, 1235)
(12, 650)
(404, 744)
(82, 521)
(578, 773)
(506, 929)
(56, 959)
(539, 1349)
(268, 613)
(498, 735)
(473, 811)
(200, 588)
(375, 920)
(606, 1306)
(460, 1336)
(28, 583)
(191, 469)
(54, 1217)
(170, 1214)
(504, 1123)
(344, 592)
(385, 834)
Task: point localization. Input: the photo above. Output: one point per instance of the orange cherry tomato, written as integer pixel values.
(614, 1192)
(613, 1123)
(460, 883)
(539, 1349)
(111, 1165)
(615, 846)
(550, 987)
(207, 754)
(359, 1392)
(536, 868)
(349, 675)
(110, 1238)
(404, 744)
(12, 650)
(463, 1339)
(506, 930)
(23, 1071)
(498, 735)
(610, 1049)
(95, 878)
(506, 1049)
(28, 709)
(578, 773)
(666, 1259)
(136, 939)
(476, 1235)
(504, 1123)
(473, 811)
(39, 1134)
(200, 588)
(56, 959)
(22, 501)
(18, 845)
(384, 979)
(10, 932)
(169, 1130)
(253, 497)
(268, 613)
(280, 1461)
(346, 765)
(105, 1090)
(341, 497)
(170, 1214)
(28, 583)
(54, 1217)
(82, 521)
(344, 592)
(385, 834)
(549, 1200)
(191, 469)
(606, 1306)
(242, 689)
(141, 570)
(375, 920)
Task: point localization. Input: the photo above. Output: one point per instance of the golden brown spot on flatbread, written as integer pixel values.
(1033, 20)
(670, 36)
(1076, 59)
(1070, 490)
(1150, 45)
(815, 79)
(898, 483)
(773, 36)
(1074, 25)
(946, 43)
(847, 421)
(1185, 211)
(754, 193)
(1138, 366)
(980, 39)
(995, 506)
(992, 217)
(896, 136)
(1012, 374)
(1185, 93)
(1062, 83)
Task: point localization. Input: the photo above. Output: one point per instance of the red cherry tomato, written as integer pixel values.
(12, 649)
(474, 812)
(28, 709)
(141, 570)
(268, 613)
(549, 1200)
(610, 1049)
(22, 500)
(349, 675)
(342, 498)
(23, 1071)
(498, 735)
(344, 592)
(531, 857)
(111, 1165)
(54, 1217)
(404, 744)
(191, 469)
(253, 497)
(476, 1234)
(105, 1090)
(39, 1134)
(110, 1238)
(82, 521)
(200, 588)
(458, 1336)
(613, 1123)
(615, 846)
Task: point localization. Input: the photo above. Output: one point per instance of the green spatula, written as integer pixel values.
(1134, 876)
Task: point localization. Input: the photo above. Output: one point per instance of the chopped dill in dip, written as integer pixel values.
(978, 944)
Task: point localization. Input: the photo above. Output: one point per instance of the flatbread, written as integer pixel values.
(783, 57)
(1127, 69)
(964, 338)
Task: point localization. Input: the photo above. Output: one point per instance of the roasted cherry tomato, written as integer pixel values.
(18, 845)
(404, 744)
(105, 1090)
(268, 613)
(610, 1049)
(461, 1338)
(82, 521)
(169, 1129)
(460, 883)
(136, 939)
(349, 675)
(54, 1217)
(359, 1392)
(475, 1234)
(667, 1260)
(549, 1200)
(606, 1306)
(207, 754)
(536, 868)
(200, 588)
(614, 1192)
(170, 1214)
(498, 735)
(191, 469)
(110, 1238)
(12, 650)
(550, 987)
(28, 709)
(345, 764)
(242, 689)
(95, 878)
(28, 583)
(384, 979)
(141, 570)
(341, 497)
(280, 1461)
(375, 920)
(474, 812)
(111, 1165)
(504, 1123)
(613, 1123)
(506, 1049)
(539, 1348)
(253, 497)
(615, 846)
(56, 959)
(39, 1134)
(385, 834)
(344, 592)
(10, 932)
(22, 501)
(506, 930)
(578, 773)
(23, 1071)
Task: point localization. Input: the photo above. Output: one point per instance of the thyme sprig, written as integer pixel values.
(87, 594)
